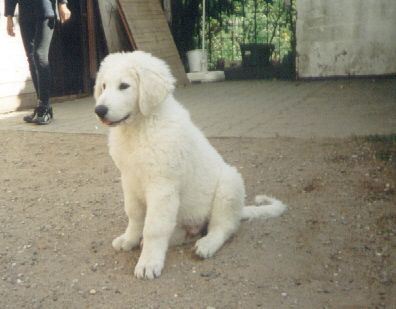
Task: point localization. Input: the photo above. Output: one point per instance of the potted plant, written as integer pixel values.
(197, 57)
(258, 53)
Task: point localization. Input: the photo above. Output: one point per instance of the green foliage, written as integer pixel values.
(231, 23)
(251, 21)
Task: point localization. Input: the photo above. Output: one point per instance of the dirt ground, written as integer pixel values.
(61, 206)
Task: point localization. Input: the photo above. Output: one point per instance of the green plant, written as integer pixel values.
(230, 23)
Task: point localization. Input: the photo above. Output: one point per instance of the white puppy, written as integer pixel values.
(175, 183)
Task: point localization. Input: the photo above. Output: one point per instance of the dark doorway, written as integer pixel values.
(68, 53)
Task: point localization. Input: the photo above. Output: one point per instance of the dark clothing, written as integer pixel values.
(36, 36)
(37, 20)
(38, 8)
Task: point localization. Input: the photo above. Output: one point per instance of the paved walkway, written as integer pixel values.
(261, 108)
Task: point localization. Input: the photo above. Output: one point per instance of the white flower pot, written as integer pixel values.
(197, 60)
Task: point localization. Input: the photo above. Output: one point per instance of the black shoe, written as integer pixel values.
(41, 115)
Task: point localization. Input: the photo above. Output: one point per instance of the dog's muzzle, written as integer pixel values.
(102, 110)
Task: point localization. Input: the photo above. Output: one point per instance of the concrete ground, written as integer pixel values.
(260, 108)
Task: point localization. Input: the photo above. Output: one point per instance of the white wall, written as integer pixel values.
(346, 37)
(16, 86)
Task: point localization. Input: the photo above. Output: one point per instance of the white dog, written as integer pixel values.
(175, 183)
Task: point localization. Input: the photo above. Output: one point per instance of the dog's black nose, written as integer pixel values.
(101, 110)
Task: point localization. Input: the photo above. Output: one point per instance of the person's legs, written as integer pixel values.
(44, 30)
(37, 36)
(27, 27)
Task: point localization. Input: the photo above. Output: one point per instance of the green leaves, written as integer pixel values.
(230, 23)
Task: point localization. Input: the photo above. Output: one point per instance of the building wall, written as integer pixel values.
(16, 86)
(346, 37)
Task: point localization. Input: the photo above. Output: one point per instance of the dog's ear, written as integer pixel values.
(154, 87)
(98, 85)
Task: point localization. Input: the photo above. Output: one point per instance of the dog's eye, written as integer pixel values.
(123, 86)
(104, 86)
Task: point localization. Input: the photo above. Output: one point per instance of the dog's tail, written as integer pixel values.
(272, 208)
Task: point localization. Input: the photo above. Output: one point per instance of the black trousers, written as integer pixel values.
(36, 36)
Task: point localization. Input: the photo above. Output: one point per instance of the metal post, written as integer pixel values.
(203, 59)
(255, 21)
(203, 24)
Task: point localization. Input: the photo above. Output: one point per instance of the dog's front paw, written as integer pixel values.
(124, 242)
(148, 269)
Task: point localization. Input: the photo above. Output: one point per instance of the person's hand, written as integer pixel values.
(64, 13)
(10, 26)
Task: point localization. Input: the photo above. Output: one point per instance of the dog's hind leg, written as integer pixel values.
(226, 213)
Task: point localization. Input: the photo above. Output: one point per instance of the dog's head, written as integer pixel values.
(131, 84)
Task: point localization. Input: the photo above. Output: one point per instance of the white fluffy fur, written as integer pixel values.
(173, 180)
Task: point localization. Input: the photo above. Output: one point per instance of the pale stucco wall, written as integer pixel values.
(16, 87)
(346, 37)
